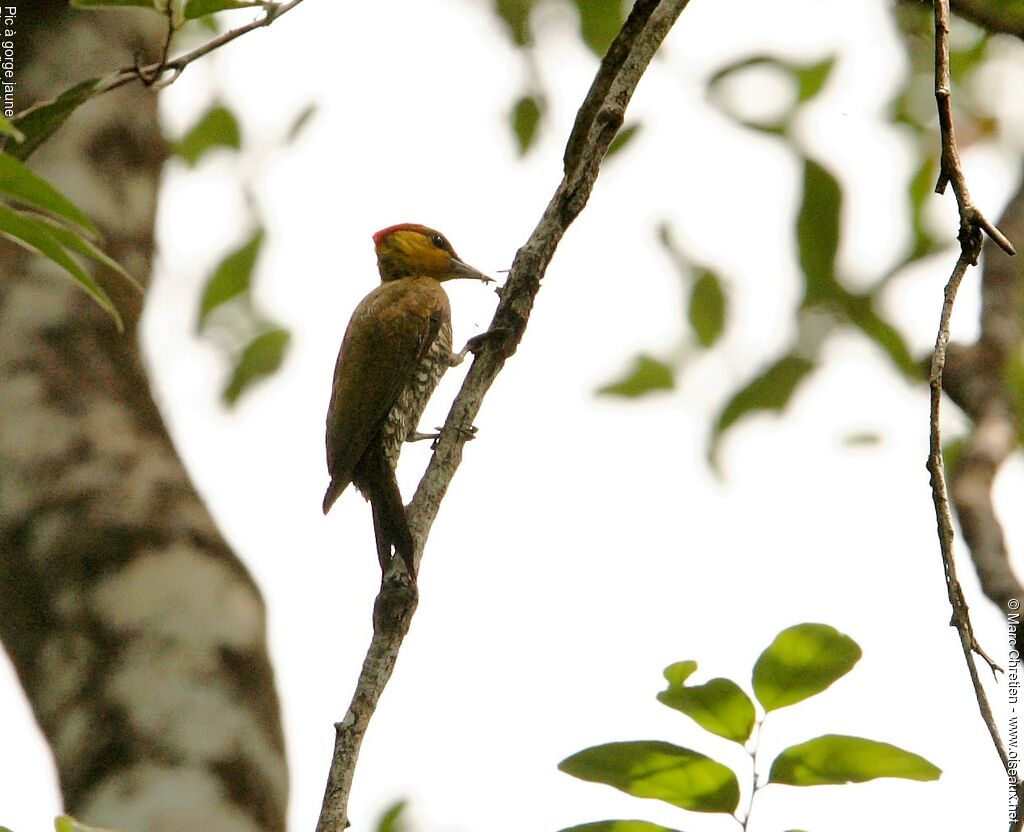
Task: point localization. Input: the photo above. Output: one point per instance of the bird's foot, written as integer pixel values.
(468, 434)
(478, 342)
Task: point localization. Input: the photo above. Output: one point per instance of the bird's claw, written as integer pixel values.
(468, 434)
(479, 342)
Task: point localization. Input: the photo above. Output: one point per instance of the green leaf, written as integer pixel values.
(66, 823)
(42, 119)
(834, 759)
(262, 357)
(619, 826)
(719, 706)
(646, 375)
(817, 233)
(201, 8)
(952, 450)
(300, 122)
(525, 118)
(771, 128)
(922, 187)
(37, 236)
(19, 182)
(802, 661)
(661, 771)
(600, 21)
(707, 308)
(218, 127)
(771, 390)
(70, 240)
(622, 138)
(7, 128)
(861, 312)
(232, 276)
(810, 78)
(391, 819)
(962, 62)
(516, 16)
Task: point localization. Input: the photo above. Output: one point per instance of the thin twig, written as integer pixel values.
(976, 379)
(596, 124)
(150, 74)
(950, 171)
(972, 223)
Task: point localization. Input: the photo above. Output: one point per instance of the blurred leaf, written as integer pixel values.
(70, 240)
(600, 21)
(834, 759)
(719, 705)
(262, 357)
(951, 452)
(41, 120)
(66, 823)
(619, 826)
(35, 235)
(707, 308)
(802, 661)
(300, 122)
(201, 8)
(391, 819)
(18, 182)
(218, 127)
(817, 233)
(516, 15)
(661, 771)
(7, 128)
(646, 375)
(1013, 376)
(864, 439)
(860, 310)
(771, 128)
(962, 62)
(922, 186)
(525, 118)
(738, 66)
(232, 276)
(771, 390)
(622, 138)
(810, 78)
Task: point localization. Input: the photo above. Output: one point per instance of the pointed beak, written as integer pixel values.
(461, 270)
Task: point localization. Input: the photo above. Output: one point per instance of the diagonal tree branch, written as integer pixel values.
(597, 122)
(972, 224)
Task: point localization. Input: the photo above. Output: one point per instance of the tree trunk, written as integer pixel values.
(138, 635)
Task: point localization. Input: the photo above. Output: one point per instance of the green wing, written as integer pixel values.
(390, 332)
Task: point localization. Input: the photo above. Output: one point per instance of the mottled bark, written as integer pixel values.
(137, 634)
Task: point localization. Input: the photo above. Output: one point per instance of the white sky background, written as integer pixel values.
(584, 545)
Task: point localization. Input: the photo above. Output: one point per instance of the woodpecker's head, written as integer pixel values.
(411, 250)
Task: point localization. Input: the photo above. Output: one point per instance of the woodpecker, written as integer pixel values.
(397, 346)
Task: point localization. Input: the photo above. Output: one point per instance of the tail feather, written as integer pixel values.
(390, 523)
(333, 492)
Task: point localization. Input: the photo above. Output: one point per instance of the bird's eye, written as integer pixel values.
(439, 241)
